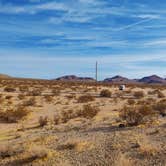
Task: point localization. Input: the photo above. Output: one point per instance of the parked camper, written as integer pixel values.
(122, 87)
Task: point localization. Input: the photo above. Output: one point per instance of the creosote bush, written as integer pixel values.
(88, 111)
(14, 115)
(134, 116)
(85, 99)
(160, 107)
(56, 92)
(105, 93)
(29, 102)
(9, 89)
(43, 121)
(139, 94)
(160, 94)
(131, 101)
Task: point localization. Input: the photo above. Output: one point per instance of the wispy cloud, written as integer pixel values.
(156, 43)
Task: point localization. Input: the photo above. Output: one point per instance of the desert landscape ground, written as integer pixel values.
(55, 123)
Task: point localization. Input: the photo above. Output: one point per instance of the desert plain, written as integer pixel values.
(55, 123)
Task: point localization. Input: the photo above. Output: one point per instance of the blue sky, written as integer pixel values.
(51, 38)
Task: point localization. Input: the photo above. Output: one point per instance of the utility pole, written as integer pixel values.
(96, 71)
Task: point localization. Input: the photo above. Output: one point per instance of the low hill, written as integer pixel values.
(4, 76)
(154, 79)
(75, 78)
(118, 79)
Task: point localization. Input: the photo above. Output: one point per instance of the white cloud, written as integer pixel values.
(51, 6)
(149, 16)
(107, 43)
(158, 42)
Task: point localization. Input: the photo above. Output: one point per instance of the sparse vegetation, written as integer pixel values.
(48, 122)
(139, 94)
(9, 89)
(14, 114)
(105, 93)
(88, 111)
(85, 99)
(134, 116)
(43, 121)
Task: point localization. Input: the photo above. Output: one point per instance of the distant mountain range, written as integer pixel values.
(153, 79)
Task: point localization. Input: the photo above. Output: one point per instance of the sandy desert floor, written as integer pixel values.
(54, 123)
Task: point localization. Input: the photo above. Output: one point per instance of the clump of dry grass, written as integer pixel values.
(85, 99)
(105, 93)
(147, 150)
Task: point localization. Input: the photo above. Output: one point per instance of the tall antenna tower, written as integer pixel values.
(96, 71)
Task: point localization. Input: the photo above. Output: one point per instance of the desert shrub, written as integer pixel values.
(21, 96)
(56, 119)
(23, 89)
(160, 107)
(152, 92)
(8, 97)
(88, 111)
(8, 150)
(147, 150)
(35, 92)
(139, 94)
(56, 92)
(70, 97)
(9, 89)
(85, 99)
(131, 101)
(43, 121)
(14, 115)
(30, 102)
(105, 93)
(68, 146)
(48, 98)
(28, 155)
(128, 91)
(134, 116)
(160, 94)
(145, 102)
